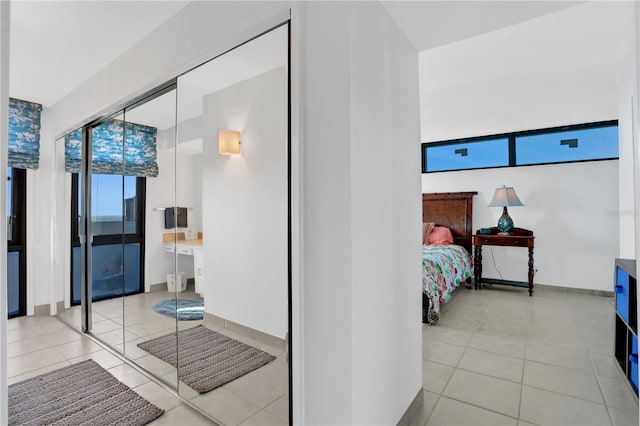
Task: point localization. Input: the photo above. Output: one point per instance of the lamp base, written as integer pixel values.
(505, 224)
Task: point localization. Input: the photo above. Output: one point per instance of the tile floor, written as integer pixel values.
(496, 357)
(41, 343)
(500, 357)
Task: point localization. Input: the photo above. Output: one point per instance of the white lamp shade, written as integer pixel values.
(228, 142)
(505, 196)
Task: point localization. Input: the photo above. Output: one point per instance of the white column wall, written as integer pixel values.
(385, 217)
(326, 213)
(41, 222)
(5, 8)
(636, 135)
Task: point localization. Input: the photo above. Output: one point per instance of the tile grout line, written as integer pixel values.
(433, 409)
(141, 370)
(601, 391)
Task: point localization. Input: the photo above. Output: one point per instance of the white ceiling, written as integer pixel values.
(57, 45)
(428, 24)
(249, 60)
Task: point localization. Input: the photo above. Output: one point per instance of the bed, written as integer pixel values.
(445, 267)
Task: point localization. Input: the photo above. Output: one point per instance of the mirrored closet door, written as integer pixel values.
(232, 180)
(179, 254)
(121, 259)
(151, 314)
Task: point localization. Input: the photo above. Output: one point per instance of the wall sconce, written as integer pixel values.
(228, 142)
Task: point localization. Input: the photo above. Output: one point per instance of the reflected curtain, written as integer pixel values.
(138, 157)
(24, 134)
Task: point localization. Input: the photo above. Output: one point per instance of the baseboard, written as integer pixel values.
(163, 286)
(158, 287)
(574, 290)
(413, 409)
(42, 310)
(602, 293)
(260, 336)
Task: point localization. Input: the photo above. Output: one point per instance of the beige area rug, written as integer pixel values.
(82, 393)
(207, 358)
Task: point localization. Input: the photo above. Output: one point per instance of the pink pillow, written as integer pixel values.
(440, 235)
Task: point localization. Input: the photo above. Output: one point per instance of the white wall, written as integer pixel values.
(178, 181)
(361, 213)
(40, 229)
(636, 136)
(570, 207)
(530, 76)
(245, 204)
(4, 117)
(385, 217)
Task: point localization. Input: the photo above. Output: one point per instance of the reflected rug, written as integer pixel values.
(207, 359)
(188, 310)
(78, 394)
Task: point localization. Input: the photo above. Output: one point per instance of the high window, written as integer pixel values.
(566, 144)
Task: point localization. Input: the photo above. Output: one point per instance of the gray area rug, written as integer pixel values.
(78, 394)
(207, 359)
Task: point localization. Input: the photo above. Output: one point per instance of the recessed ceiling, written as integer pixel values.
(428, 24)
(57, 45)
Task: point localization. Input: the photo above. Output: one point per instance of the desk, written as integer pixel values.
(188, 248)
(519, 238)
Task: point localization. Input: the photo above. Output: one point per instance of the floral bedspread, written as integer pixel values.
(444, 267)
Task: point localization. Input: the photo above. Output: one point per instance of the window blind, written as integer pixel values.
(117, 149)
(24, 134)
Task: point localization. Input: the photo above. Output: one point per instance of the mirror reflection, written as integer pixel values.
(187, 254)
(232, 119)
(146, 313)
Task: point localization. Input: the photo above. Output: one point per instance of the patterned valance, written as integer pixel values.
(140, 152)
(24, 134)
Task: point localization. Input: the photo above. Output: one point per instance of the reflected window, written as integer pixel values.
(16, 248)
(117, 220)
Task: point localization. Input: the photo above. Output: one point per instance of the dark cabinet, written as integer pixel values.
(626, 337)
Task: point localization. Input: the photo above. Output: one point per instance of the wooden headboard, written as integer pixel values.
(453, 210)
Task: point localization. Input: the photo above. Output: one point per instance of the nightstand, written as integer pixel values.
(519, 238)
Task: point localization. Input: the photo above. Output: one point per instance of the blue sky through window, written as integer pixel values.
(471, 155)
(108, 195)
(573, 145)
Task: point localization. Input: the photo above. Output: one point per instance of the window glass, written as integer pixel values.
(572, 145)
(467, 155)
(113, 204)
(13, 283)
(9, 199)
(115, 269)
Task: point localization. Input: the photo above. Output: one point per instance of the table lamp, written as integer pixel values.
(505, 197)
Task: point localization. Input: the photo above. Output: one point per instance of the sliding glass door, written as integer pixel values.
(16, 242)
(118, 235)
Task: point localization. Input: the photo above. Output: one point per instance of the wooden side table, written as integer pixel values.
(519, 238)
